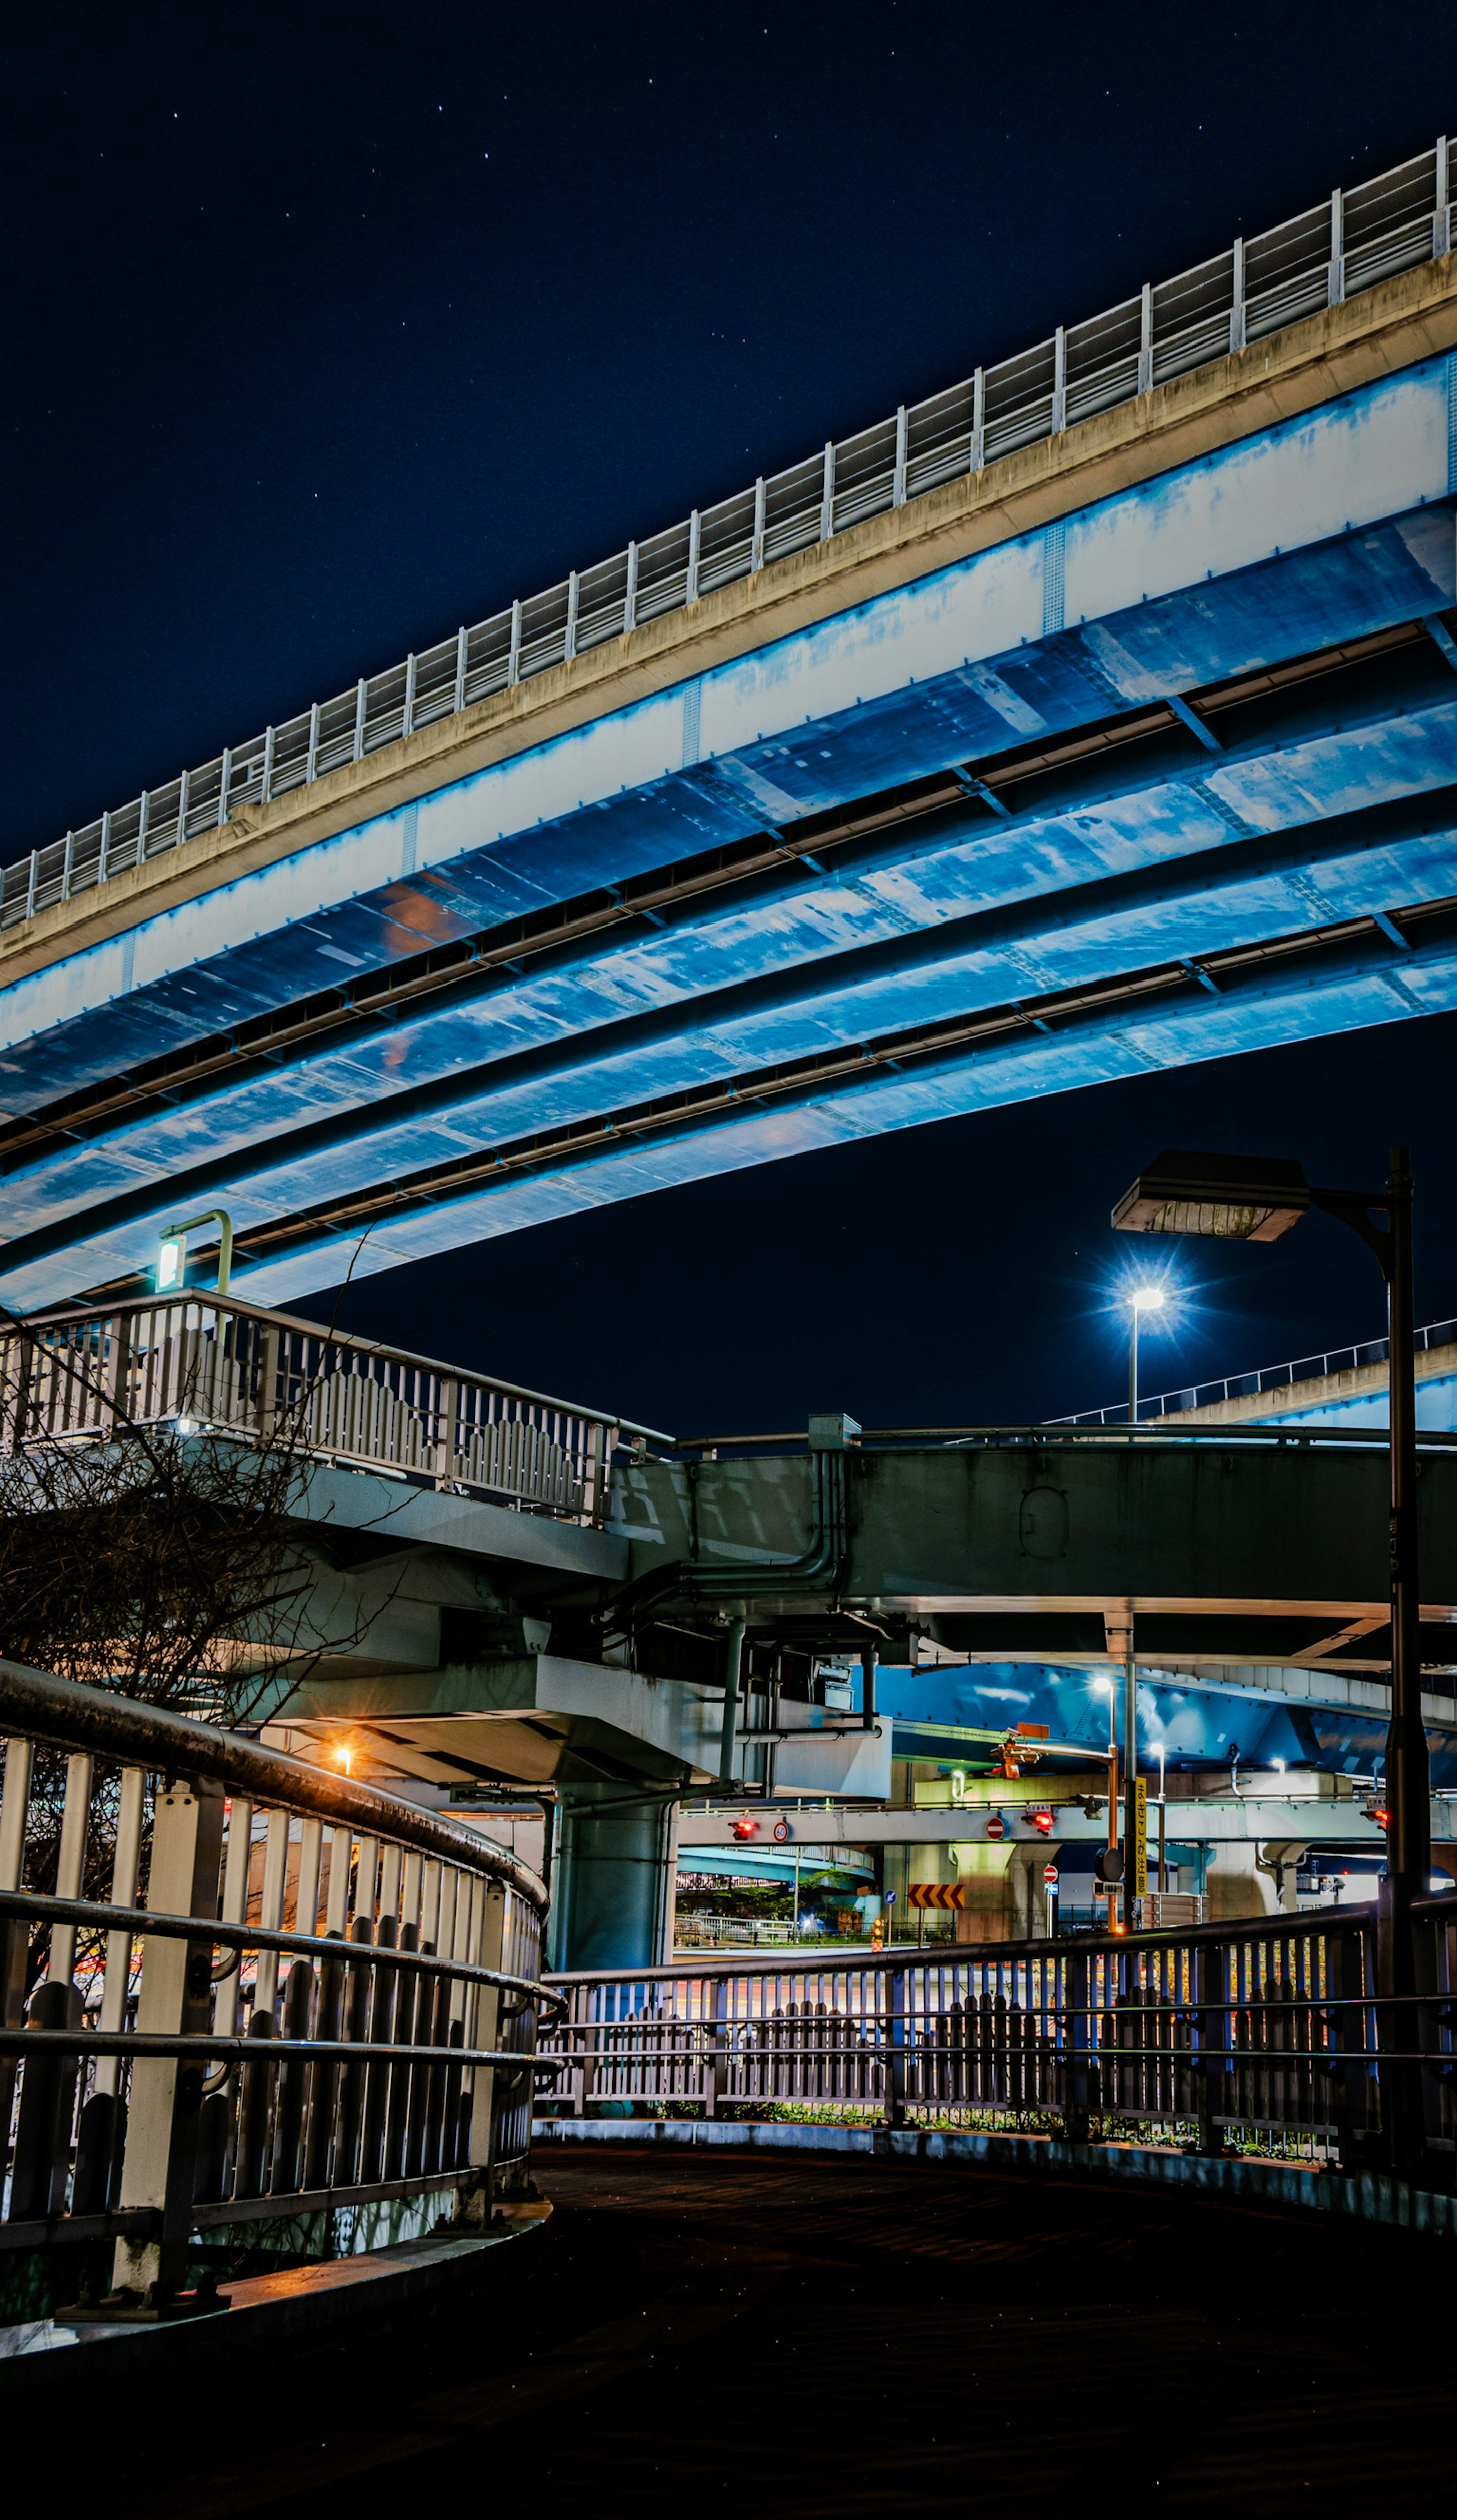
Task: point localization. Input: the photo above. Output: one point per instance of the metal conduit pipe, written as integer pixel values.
(817, 1565)
(732, 1664)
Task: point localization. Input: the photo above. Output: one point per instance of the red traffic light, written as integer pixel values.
(1041, 1820)
(745, 1828)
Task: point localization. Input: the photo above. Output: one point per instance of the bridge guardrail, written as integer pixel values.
(224, 1366)
(300, 1996)
(1349, 242)
(1269, 2035)
(1260, 1378)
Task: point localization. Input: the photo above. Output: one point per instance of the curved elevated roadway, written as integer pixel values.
(1099, 714)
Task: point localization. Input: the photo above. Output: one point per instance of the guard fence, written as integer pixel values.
(1346, 244)
(1269, 2035)
(297, 1997)
(1318, 1367)
(209, 1365)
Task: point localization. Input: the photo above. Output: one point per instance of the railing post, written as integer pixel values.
(894, 1981)
(167, 2091)
(1212, 2035)
(716, 2084)
(266, 1399)
(1077, 2042)
(445, 1444)
(18, 1760)
(118, 1367)
(474, 2186)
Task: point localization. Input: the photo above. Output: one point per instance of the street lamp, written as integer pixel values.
(1140, 1300)
(1249, 1198)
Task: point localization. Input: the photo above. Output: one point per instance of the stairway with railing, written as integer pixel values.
(301, 2003)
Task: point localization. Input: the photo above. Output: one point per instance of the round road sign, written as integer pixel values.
(1049, 1875)
(997, 1827)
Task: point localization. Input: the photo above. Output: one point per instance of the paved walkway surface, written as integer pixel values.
(830, 2339)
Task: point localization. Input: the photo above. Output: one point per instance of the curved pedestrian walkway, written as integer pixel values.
(820, 2337)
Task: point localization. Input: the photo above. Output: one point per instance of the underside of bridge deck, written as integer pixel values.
(1015, 801)
(962, 1586)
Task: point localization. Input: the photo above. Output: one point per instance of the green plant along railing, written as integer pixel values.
(1347, 243)
(328, 1999)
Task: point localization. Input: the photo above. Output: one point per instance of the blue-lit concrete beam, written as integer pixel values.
(957, 665)
(792, 935)
(1259, 1013)
(1266, 892)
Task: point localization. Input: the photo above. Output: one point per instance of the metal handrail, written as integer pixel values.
(809, 1961)
(67, 1714)
(220, 1365)
(62, 1316)
(387, 2057)
(1390, 223)
(1279, 2023)
(1265, 1378)
(329, 1948)
(1043, 1432)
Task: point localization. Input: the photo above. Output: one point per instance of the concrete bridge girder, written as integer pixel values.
(534, 1716)
(1025, 1534)
(1311, 1818)
(825, 687)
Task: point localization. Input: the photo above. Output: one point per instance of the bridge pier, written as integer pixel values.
(615, 1862)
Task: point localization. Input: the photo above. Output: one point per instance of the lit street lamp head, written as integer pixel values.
(1147, 1299)
(1237, 1199)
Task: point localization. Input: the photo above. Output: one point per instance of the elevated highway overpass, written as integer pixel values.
(492, 1589)
(1098, 714)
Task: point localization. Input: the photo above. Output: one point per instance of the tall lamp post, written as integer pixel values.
(1246, 1198)
(1139, 1300)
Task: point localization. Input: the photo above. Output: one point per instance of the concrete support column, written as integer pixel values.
(612, 1895)
(1236, 1886)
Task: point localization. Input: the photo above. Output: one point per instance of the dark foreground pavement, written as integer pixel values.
(830, 2339)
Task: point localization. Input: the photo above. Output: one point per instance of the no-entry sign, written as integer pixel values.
(1049, 1875)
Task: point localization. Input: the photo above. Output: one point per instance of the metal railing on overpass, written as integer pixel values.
(1265, 1378)
(212, 1366)
(301, 1995)
(1267, 2036)
(1255, 286)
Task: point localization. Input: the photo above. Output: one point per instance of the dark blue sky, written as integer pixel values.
(334, 326)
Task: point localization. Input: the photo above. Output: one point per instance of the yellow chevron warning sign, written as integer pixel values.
(937, 1893)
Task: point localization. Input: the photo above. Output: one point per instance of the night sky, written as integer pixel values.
(334, 327)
